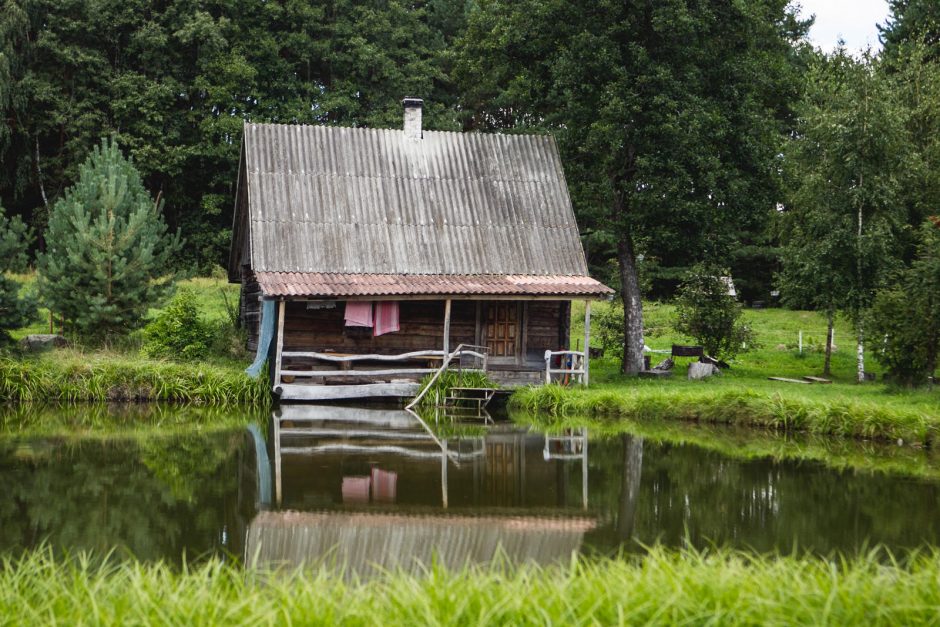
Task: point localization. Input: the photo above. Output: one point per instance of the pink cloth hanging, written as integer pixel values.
(384, 486)
(356, 490)
(386, 317)
(358, 314)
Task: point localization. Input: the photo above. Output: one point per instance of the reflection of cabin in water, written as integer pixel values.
(376, 489)
(380, 251)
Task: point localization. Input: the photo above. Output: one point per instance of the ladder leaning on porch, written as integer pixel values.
(462, 350)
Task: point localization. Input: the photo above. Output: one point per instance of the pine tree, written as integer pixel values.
(108, 249)
(15, 310)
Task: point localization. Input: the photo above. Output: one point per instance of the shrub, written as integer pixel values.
(607, 324)
(179, 331)
(15, 310)
(108, 249)
(706, 312)
(908, 316)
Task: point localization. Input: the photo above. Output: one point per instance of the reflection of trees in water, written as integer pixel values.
(155, 497)
(676, 494)
(631, 474)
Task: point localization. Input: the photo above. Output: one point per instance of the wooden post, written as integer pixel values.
(584, 470)
(280, 344)
(587, 340)
(444, 499)
(447, 326)
(277, 459)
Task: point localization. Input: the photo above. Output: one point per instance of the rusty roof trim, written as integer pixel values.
(345, 285)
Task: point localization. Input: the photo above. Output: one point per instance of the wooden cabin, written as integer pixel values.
(368, 256)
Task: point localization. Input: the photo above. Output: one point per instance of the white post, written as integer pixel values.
(587, 340)
(444, 498)
(548, 366)
(447, 327)
(801, 342)
(280, 343)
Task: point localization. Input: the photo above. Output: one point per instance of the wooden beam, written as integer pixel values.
(356, 373)
(587, 341)
(280, 343)
(369, 357)
(447, 326)
(299, 392)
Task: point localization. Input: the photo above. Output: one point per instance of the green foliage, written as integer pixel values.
(176, 80)
(663, 587)
(179, 331)
(16, 310)
(669, 143)
(108, 250)
(706, 312)
(908, 316)
(846, 165)
(607, 328)
(911, 23)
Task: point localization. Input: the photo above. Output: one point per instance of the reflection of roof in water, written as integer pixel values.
(363, 542)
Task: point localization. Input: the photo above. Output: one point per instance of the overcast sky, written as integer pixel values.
(853, 20)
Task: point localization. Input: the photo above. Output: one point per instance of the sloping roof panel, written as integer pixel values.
(353, 200)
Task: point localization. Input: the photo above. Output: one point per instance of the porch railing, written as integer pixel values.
(347, 361)
(572, 365)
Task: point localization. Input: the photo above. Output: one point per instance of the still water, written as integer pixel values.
(377, 487)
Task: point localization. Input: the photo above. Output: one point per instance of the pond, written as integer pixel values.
(376, 488)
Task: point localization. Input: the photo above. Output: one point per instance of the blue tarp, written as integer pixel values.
(264, 339)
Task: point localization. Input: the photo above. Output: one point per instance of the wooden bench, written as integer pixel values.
(679, 350)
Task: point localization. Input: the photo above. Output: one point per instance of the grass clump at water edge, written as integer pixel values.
(72, 376)
(441, 386)
(663, 587)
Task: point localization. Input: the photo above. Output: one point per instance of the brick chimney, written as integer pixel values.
(413, 108)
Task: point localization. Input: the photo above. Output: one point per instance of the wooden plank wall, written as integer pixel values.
(421, 322)
(249, 309)
(547, 323)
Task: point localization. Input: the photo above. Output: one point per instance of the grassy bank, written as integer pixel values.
(829, 414)
(74, 375)
(743, 395)
(662, 588)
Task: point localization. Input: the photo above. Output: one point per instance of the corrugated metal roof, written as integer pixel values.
(354, 200)
(344, 285)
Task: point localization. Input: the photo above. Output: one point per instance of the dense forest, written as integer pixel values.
(691, 130)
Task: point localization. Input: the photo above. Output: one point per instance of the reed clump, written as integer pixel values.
(73, 376)
(662, 587)
(836, 416)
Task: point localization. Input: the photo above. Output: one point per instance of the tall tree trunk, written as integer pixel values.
(860, 351)
(830, 318)
(629, 485)
(632, 307)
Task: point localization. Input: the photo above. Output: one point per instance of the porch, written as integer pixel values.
(317, 357)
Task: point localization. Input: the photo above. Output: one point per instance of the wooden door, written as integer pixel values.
(502, 329)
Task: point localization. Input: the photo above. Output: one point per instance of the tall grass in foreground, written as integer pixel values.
(70, 376)
(836, 416)
(662, 588)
